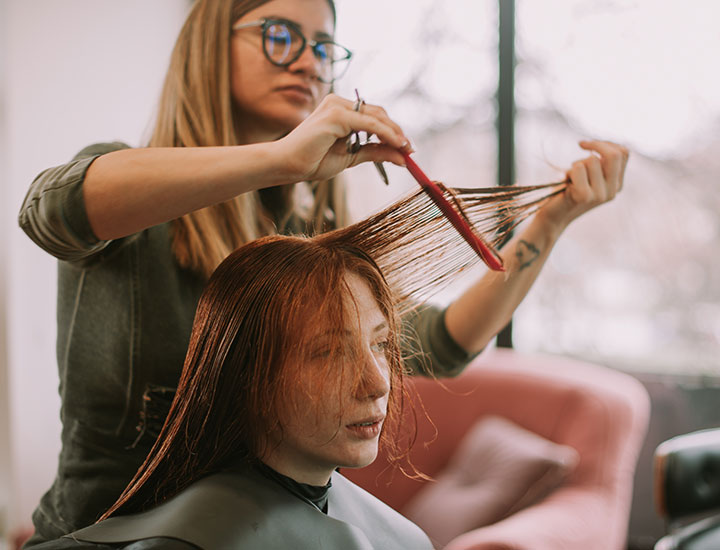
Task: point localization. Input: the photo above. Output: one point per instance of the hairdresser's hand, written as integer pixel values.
(593, 181)
(317, 150)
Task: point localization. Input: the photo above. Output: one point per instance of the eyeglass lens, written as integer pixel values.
(284, 44)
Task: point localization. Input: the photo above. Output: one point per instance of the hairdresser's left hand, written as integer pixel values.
(593, 181)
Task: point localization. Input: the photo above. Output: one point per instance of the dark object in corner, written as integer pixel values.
(687, 490)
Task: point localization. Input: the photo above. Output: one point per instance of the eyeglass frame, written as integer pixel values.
(265, 23)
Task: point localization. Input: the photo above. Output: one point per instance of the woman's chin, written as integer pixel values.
(270, 126)
(287, 114)
(361, 459)
(291, 119)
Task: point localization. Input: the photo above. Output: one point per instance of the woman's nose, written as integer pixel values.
(307, 63)
(375, 380)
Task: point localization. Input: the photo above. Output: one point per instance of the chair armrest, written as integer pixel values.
(701, 535)
(687, 474)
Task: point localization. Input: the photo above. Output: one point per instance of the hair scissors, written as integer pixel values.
(354, 143)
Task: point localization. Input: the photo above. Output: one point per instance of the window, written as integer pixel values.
(636, 283)
(432, 65)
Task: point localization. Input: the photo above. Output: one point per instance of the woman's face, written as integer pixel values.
(341, 426)
(270, 101)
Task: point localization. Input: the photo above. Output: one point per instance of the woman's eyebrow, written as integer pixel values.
(331, 334)
(346, 333)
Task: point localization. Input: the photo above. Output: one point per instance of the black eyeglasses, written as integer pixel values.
(284, 43)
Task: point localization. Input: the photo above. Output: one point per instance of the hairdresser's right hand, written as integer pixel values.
(316, 149)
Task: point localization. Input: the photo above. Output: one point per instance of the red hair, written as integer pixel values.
(248, 341)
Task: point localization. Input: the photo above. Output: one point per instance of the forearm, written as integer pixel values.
(127, 191)
(481, 312)
(486, 307)
(132, 189)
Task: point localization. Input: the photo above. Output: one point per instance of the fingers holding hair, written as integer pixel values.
(579, 189)
(613, 158)
(597, 178)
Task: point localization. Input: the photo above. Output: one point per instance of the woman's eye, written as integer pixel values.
(330, 352)
(321, 353)
(279, 39)
(381, 347)
(321, 52)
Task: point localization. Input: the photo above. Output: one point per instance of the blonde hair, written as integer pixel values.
(196, 110)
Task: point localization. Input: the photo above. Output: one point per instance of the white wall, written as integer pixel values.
(76, 72)
(4, 410)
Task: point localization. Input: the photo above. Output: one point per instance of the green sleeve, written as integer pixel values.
(428, 348)
(53, 213)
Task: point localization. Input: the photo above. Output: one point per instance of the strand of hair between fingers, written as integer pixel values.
(418, 263)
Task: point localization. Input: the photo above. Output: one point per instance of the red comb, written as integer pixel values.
(487, 254)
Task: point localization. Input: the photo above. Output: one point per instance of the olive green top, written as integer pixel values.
(124, 312)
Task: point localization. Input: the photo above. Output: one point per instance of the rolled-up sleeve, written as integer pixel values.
(53, 213)
(428, 348)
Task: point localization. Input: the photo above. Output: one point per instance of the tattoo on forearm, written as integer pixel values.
(526, 254)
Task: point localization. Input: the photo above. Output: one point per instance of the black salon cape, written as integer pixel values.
(247, 511)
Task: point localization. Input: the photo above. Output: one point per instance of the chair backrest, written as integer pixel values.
(532, 392)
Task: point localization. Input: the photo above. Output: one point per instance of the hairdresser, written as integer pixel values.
(245, 119)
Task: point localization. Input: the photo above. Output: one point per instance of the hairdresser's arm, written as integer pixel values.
(129, 190)
(487, 306)
(154, 543)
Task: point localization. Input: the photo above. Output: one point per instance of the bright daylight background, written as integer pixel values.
(635, 284)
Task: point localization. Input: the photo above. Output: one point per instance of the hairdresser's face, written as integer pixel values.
(271, 100)
(339, 411)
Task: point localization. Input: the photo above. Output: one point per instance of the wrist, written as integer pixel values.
(550, 226)
(277, 165)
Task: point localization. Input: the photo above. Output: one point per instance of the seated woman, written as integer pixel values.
(293, 371)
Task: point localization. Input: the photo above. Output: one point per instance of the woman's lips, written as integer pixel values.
(298, 93)
(366, 429)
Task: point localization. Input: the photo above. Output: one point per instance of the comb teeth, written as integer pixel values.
(456, 217)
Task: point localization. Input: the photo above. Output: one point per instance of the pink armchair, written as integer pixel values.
(601, 413)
